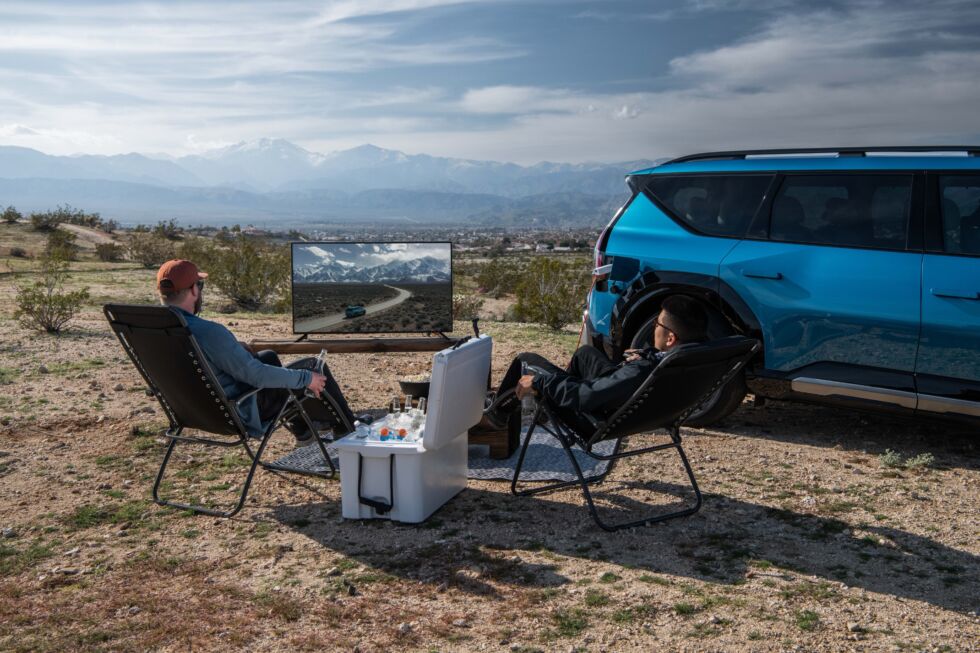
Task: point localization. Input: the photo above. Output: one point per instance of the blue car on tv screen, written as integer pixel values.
(857, 268)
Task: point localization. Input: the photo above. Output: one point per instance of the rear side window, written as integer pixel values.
(960, 197)
(849, 210)
(717, 205)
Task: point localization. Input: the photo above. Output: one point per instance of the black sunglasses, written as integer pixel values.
(200, 284)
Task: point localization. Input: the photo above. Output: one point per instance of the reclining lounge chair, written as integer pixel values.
(678, 386)
(178, 375)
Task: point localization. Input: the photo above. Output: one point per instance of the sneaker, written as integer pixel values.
(304, 441)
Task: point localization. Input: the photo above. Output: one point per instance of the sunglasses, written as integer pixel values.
(664, 326)
(200, 285)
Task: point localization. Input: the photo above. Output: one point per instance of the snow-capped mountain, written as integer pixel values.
(270, 180)
(427, 269)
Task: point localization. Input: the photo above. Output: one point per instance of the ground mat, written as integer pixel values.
(545, 461)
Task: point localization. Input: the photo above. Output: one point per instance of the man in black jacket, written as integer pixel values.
(593, 386)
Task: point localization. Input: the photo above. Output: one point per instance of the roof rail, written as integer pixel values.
(971, 150)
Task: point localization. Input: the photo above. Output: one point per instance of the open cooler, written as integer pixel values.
(408, 481)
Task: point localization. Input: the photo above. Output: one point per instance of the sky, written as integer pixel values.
(522, 80)
(370, 255)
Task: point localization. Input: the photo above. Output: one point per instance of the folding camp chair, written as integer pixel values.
(683, 381)
(177, 373)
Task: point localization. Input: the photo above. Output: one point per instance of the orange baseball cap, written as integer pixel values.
(175, 275)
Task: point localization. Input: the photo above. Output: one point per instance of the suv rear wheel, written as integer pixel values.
(727, 399)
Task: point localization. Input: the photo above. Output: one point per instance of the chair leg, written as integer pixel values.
(675, 437)
(551, 487)
(202, 509)
(323, 449)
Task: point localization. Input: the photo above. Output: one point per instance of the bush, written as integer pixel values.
(168, 230)
(551, 293)
(50, 220)
(11, 215)
(109, 251)
(248, 271)
(149, 249)
(43, 305)
(498, 277)
(61, 245)
(44, 221)
(466, 307)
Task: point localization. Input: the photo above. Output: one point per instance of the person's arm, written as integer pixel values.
(570, 393)
(225, 352)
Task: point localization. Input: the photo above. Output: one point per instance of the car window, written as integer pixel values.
(849, 210)
(960, 204)
(717, 205)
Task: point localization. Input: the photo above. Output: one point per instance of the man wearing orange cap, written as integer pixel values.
(181, 285)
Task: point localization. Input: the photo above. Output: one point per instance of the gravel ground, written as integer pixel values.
(811, 537)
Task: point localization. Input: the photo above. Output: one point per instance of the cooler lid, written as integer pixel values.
(457, 391)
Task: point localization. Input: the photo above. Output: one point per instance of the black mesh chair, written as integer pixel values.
(683, 381)
(176, 372)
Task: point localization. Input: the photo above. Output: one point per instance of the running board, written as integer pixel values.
(824, 388)
(935, 404)
(911, 400)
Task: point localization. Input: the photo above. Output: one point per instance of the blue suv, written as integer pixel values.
(858, 269)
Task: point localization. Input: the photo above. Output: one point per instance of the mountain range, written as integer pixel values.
(427, 269)
(273, 181)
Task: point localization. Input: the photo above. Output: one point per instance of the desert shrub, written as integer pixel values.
(551, 293)
(199, 250)
(499, 277)
(50, 220)
(61, 245)
(109, 251)
(249, 271)
(148, 249)
(890, 459)
(44, 221)
(44, 304)
(11, 215)
(18, 252)
(168, 230)
(466, 307)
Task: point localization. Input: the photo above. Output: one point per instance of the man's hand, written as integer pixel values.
(524, 386)
(631, 355)
(316, 385)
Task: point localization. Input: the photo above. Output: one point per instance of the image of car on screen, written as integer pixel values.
(354, 311)
(387, 287)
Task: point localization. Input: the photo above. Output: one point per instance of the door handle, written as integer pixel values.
(955, 294)
(762, 275)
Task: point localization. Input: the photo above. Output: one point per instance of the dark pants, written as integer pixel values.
(587, 363)
(271, 400)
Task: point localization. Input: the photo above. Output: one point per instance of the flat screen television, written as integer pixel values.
(372, 287)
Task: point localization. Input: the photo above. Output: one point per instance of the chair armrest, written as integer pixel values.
(250, 393)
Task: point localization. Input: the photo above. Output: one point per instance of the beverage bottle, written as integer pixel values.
(318, 367)
(527, 402)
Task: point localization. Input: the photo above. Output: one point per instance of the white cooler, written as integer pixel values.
(408, 481)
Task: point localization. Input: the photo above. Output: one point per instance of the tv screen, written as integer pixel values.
(344, 287)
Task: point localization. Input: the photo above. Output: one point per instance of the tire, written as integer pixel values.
(728, 398)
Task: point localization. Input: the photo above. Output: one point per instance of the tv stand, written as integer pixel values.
(306, 345)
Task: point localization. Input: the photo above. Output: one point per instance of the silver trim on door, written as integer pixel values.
(824, 388)
(936, 404)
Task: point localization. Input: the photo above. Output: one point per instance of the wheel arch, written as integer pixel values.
(643, 297)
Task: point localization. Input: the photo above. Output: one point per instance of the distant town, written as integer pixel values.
(474, 240)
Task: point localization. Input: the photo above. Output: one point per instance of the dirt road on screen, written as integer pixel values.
(320, 323)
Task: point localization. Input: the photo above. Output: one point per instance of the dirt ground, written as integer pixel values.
(811, 537)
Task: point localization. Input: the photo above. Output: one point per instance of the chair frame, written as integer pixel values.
(291, 408)
(568, 438)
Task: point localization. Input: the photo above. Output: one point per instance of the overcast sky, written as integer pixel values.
(519, 81)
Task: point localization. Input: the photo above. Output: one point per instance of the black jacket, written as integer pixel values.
(600, 397)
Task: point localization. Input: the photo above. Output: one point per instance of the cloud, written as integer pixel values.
(185, 78)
